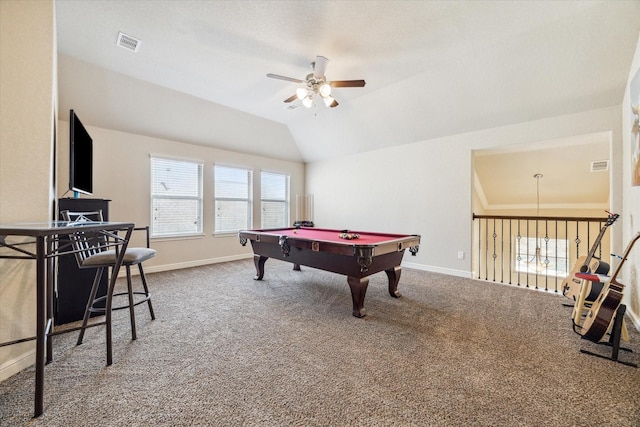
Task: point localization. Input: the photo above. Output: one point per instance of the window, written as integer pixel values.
(274, 203)
(542, 255)
(176, 197)
(233, 199)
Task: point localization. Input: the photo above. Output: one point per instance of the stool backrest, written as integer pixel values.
(85, 243)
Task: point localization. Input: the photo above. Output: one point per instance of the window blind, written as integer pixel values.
(232, 199)
(274, 202)
(176, 193)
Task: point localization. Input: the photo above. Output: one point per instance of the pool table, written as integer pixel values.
(356, 254)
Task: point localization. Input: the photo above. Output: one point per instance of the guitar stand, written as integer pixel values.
(614, 339)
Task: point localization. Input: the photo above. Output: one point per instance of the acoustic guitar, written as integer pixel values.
(604, 308)
(572, 285)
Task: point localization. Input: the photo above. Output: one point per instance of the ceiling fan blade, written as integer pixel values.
(333, 104)
(291, 98)
(347, 83)
(319, 67)
(289, 79)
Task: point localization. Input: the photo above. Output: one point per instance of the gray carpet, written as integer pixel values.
(226, 350)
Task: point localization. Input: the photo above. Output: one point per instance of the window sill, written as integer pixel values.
(170, 238)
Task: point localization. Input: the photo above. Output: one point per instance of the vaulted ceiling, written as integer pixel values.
(432, 68)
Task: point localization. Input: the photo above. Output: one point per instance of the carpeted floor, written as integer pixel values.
(226, 350)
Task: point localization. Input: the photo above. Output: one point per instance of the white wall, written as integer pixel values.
(27, 112)
(122, 174)
(631, 201)
(426, 187)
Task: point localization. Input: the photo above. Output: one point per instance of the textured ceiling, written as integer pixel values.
(432, 68)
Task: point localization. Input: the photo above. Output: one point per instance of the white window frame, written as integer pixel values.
(285, 200)
(196, 196)
(218, 198)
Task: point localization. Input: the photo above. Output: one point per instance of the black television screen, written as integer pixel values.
(80, 157)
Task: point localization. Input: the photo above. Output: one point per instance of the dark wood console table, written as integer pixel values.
(16, 241)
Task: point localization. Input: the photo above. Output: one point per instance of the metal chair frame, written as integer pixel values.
(92, 251)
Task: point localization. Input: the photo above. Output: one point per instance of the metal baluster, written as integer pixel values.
(486, 252)
(510, 251)
(502, 251)
(519, 252)
(546, 255)
(494, 255)
(479, 247)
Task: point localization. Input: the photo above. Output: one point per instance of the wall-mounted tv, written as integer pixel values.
(80, 157)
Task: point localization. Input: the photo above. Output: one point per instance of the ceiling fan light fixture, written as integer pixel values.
(325, 90)
(307, 102)
(301, 93)
(328, 100)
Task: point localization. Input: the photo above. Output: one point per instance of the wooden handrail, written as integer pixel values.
(542, 218)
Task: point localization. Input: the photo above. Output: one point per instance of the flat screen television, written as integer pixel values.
(80, 157)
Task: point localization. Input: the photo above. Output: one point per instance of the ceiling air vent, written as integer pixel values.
(599, 165)
(128, 42)
(291, 107)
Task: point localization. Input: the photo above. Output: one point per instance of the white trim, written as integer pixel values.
(209, 261)
(17, 364)
(441, 270)
(635, 320)
(569, 141)
(479, 190)
(196, 263)
(599, 206)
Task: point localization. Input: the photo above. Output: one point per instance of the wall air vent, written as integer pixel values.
(128, 42)
(600, 165)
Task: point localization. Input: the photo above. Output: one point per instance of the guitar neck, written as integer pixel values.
(624, 258)
(595, 245)
(612, 218)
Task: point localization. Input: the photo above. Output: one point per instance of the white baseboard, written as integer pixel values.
(634, 319)
(17, 364)
(197, 263)
(433, 269)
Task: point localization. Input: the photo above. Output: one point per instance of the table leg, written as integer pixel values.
(358, 291)
(394, 277)
(110, 291)
(41, 320)
(259, 261)
(50, 314)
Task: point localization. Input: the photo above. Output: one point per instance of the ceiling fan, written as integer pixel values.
(316, 84)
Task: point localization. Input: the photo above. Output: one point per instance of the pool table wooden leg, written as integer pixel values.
(394, 277)
(259, 262)
(358, 291)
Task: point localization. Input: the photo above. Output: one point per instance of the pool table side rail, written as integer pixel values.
(347, 247)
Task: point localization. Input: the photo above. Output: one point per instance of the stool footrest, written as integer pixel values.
(146, 298)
